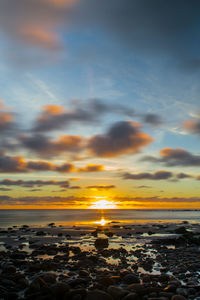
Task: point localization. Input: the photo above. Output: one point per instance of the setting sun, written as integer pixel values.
(103, 204)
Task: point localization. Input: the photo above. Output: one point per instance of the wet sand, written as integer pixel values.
(114, 261)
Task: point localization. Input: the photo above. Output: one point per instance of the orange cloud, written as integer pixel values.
(43, 146)
(52, 110)
(40, 166)
(40, 36)
(60, 3)
(192, 125)
(91, 168)
(6, 118)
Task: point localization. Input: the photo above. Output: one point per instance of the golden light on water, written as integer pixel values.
(101, 222)
(103, 204)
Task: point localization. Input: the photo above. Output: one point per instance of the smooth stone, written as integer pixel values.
(98, 295)
(23, 283)
(10, 296)
(59, 289)
(101, 243)
(48, 277)
(116, 292)
(137, 288)
(131, 278)
(83, 273)
(178, 297)
(75, 293)
(9, 269)
(106, 281)
(131, 296)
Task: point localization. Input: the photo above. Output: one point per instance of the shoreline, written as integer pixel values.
(114, 261)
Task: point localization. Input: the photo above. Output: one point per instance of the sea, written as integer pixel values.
(76, 217)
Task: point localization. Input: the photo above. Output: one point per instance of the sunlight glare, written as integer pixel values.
(103, 204)
(102, 222)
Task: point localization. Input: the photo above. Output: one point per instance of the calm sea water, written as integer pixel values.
(87, 216)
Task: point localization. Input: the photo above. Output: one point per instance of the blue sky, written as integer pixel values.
(91, 68)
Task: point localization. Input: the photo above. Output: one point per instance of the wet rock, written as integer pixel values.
(163, 278)
(98, 295)
(51, 224)
(23, 283)
(116, 292)
(181, 291)
(48, 277)
(178, 297)
(40, 233)
(75, 294)
(59, 289)
(146, 278)
(180, 230)
(7, 283)
(33, 288)
(83, 273)
(10, 296)
(131, 296)
(131, 278)
(106, 281)
(101, 243)
(9, 269)
(170, 288)
(77, 281)
(139, 289)
(109, 233)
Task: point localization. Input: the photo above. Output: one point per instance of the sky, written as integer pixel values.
(99, 101)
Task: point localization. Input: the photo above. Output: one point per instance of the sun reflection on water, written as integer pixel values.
(102, 222)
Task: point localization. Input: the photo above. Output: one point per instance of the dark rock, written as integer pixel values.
(98, 295)
(116, 292)
(178, 297)
(101, 243)
(23, 283)
(77, 281)
(109, 233)
(40, 233)
(180, 230)
(131, 296)
(9, 269)
(139, 289)
(75, 294)
(83, 273)
(59, 289)
(106, 281)
(51, 224)
(131, 278)
(48, 277)
(10, 296)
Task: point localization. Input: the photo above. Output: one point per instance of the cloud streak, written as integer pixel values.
(100, 187)
(17, 164)
(34, 183)
(159, 175)
(175, 157)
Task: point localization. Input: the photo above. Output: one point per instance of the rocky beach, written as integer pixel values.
(101, 262)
